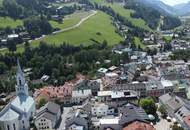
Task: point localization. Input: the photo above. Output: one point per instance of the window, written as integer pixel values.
(8, 127)
(14, 127)
(19, 81)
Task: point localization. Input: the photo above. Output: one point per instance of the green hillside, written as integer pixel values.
(71, 20)
(6, 21)
(118, 8)
(127, 14)
(97, 27)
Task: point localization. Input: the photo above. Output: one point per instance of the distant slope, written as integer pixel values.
(151, 12)
(118, 8)
(182, 9)
(127, 14)
(162, 7)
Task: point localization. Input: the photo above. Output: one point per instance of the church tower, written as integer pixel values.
(21, 86)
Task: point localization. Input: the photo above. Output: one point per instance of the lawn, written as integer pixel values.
(6, 21)
(97, 27)
(71, 20)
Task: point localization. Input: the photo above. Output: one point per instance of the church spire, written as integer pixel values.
(19, 70)
(21, 87)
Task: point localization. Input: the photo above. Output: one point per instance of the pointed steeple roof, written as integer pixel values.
(19, 70)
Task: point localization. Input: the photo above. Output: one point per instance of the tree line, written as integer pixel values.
(62, 62)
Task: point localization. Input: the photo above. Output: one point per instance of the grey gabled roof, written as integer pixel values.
(48, 111)
(50, 107)
(131, 113)
(48, 116)
(77, 121)
(172, 101)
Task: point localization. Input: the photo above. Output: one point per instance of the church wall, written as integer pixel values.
(24, 124)
(10, 124)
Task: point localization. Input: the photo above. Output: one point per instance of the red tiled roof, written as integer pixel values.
(139, 126)
(49, 92)
(187, 120)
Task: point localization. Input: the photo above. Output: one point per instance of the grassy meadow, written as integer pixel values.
(9, 22)
(98, 27)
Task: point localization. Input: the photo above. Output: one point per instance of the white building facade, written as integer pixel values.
(17, 114)
(48, 116)
(44, 124)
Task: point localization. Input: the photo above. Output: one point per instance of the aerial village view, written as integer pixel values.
(94, 65)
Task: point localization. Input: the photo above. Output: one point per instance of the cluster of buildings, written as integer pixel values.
(109, 101)
(18, 35)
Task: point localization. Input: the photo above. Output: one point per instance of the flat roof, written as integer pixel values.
(111, 74)
(104, 93)
(109, 121)
(166, 83)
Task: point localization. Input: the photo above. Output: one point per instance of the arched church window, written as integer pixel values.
(8, 127)
(14, 127)
(19, 81)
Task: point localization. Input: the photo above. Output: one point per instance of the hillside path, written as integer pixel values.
(78, 24)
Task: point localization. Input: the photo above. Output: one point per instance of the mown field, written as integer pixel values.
(6, 21)
(71, 20)
(97, 27)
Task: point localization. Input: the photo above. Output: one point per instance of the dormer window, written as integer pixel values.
(19, 81)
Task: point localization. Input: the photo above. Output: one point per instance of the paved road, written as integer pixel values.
(64, 117)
